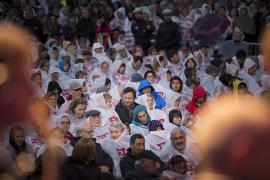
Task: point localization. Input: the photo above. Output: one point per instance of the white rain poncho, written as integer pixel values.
(53, 111)
(102, 56)
(134, 85)
(116, 148)
(106, 114)
(157, 139)
(182, 59)
(76, 68)
(128, 36)
(163, 81)
(190, 152)
(260, 72)
(204, 7)
(208, 84)
(155, 114)
(130, 70)
(71, 126)
(155, 19)
(158, 71)
(109, 74)
(61, 80)
(175, 67)
(38, 91)
(92, 85)
(265, 85)
(67, 147)
(139, 129)
(121, 79)
(119, 23)
(201, 66)
(187, 95)
(116, 96)
(92, 63)
(176, 176)
(247, 78)
(126, 59)
(208, 58)
(219, 87)
(53, 61)
(171, 97)
(232, 69)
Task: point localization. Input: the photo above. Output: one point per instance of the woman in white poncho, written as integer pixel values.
(36, 83)
(158, 64)
(166, 76)
(54, 53)
(103, 104)
(119, 72)
(173, 101)
(50, 99)
(116, 145)
(117, 24)
(99, 54)
(64, 123)
(232, 69)
(148, 101)
(187, 91)
(106, 70)
(116, 94)
(91, 84)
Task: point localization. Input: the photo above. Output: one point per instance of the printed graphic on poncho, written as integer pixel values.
(103, 136)
(161, 145)
(121, 152)
(113, 119)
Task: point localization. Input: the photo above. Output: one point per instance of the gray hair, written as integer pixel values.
(139, 161)
(79, 128)
(104, 62)
(176, 129)
(64, 7)
(118, 125)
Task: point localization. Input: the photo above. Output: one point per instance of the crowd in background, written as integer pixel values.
(131, 108)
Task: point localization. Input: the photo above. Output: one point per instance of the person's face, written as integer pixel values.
(190, 63)
(108, 9)
(41, 11)
(85, 14)
(44, 20)
(140, 50)
(192, 86)
(54, 76)
(149, 165)
(241, 60)
(176, 85)
(185, 11)
(263, 9)
(87, 131)
(154, 52)
(185, 54)
(130, 15)
(233, 63)
(96, 77)
(79, 110)
(222, 11)
(138, 145)
(65, 11)
(176, 58)
(237, 36)
(95, 10)
(146, 90)
(204, 50)
(65, 123)
(163, 53)
(87, 58)
(139, 16)
(207, 9)
(244, 12)
(115, 133)
(193, 75)
(177, 120)
(76, 93)
(95, 121)
(105, 68)
(136, 65)
(119, 15)
(199, 58)
(233, 12)
(43, 54)
(19, 137)
(150, 102)
(109, 103)
(217, 6)
(199, 12)
(128, 98)
(152, 11)
(102, 20)
(52, 19)
(23, 3)
(200, 100)
(98, 50)
(52, 101)
(55, 54)
(163, 63)
(159, 128)
(122, 69)
(169, 76)
(151, 78)
(85, 77)
(214, 74)
(123, 53)
(179, 168)
(167, 17)
(241, 90)
(177, 102)
(82, 44)
(66, 66)
(84, 68)
(77, 11)
(75, 51)
(38, 80)
(56, 90)
(28, 15)
(143, 117)
(62, 138)
(252, 70)
(237, 73)
(178, 140)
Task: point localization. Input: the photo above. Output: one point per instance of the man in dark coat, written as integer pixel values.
(169, 33)
(31, 23)
(86, 27)
(262, 8)
(142, 30)
(125, 107)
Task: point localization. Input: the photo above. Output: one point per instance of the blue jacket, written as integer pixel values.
(160, 103)
(61, 65)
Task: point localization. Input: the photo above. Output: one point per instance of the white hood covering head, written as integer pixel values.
(142, 100)
(64, 53)
(96, 71)
(121, 10)
(116, 65)
(248, 64)
(232, 69)
(95, 46)
(204, 7)
(129, 56)
(152, 17)
(60, 73)
(99, 100)
(191, 57)
(171, 97)
(50, 53)
(237, 30)
(195, 56)
(78, 67)
(265, 81)
(175, 19)
(100, 82)
(163, 81)
(203, 11)
(115, 94)
(58, 123)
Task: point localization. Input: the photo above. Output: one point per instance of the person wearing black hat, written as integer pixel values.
(142, 30)
(169, 33)
(145, 167)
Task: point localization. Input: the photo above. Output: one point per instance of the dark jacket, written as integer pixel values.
(258, 23)
(52, 86)
(138, 173)
(142, 34)
(102, 156)
(123, 113)
(169, 35)
(127, 163)
(86, 27)
(77, 170)
(33, 26)
(69, 32)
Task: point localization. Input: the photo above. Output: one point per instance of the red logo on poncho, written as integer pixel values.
(65, 92)
(161, 120)
(161, 145)
(113, 119)
(103, 136)
(37, 141)
(93, 90)
(190, 167)
(160, 93)
(121, 152)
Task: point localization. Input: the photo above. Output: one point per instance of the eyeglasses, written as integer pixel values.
(89, 132)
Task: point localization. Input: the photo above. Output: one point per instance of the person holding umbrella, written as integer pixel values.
(169, 33)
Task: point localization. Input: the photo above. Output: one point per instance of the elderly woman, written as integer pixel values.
(83, 162)
(106, 70)
(64, 123)
(76, 110)
(140, 121)
(44, 67)
(50, 99)
(173, 100)
(59, 137)
(116, 145)
(36, 83)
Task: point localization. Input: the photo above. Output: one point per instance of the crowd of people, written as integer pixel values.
(133, 109)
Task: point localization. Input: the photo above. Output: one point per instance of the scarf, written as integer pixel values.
(72, 25)
(69, 136)
(130, 108)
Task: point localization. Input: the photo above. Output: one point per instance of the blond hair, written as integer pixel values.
(70, 50)
(107, 97)
(118, 125)
(84, 150)
(56, 132)
(155, 64)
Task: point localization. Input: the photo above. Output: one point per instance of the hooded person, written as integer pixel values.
(140, 121)
(117, 24)
(154, 18)
(134, 81)
(173, 101)
(239, 87)
(76, 68)
(157, 137)
(99, 54)
(152, 53)
(92, 83)
(248, 75)
(128, 36)
(230, 47)
(135, 65)
(145, 87)
(166, 76)
(206, 51)
(199, 57)
(90, 61)
(259, 71)
(223, 84)
(176, 84)
(36, 83)
(106, 68)
(54, 87)
(57, 75)
(187, 91)
(51, 42)
(116, 145)
(186, 149)
(116, 94)
(158, 63)
(50, 99)
(207, 8)
(183, 53)
(265, 85)
(148, 101)
(101, 128)
(119, 72)
(54, 53)
(232, 69)
(64, 123)
(64, 14)
(64, 66)
(103, 102)
(123, 54)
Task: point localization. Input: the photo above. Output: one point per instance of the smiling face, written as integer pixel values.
(65, 123)
(19, 137)
(80, 110)
(38, 80)
(178, 139)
